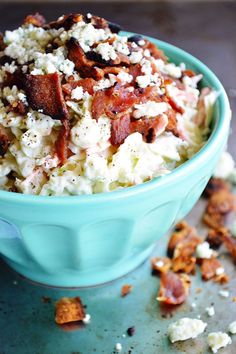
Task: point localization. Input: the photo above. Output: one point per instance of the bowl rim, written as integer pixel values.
(219, 131)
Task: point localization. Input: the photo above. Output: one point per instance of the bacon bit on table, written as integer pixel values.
(230, 244)
(215, 237)
(44, 92)
(174, 288)
(36, 20)
(4, 141)
(219, 205)
(186, 264)
(182, 232)
(209, 270)
(215, 185)
(161, 264)
(126, 289)
(69, 310)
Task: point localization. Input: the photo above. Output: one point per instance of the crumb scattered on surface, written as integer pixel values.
(69, 310)
(126, 289)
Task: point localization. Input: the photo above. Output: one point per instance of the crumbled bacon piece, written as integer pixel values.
(215, 237)
(209, 270)
(149, 128)
(87, 84)
(126, 289)
(215, 185)
(98, 22)
(112, 101)
(221, 202)
(69, 310)
(66, 21)
(172, 122)
(62, 141)
(44, 93)
(182, 233)
(154, 51)
(219, 205)
(186, 264)
(174, 105)
(189, 73)
(174, 288)
(36, 20)
(4, 141)
(161, 264)
(120, 129)
(230, 243)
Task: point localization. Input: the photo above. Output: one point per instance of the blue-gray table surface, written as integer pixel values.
(208, 31)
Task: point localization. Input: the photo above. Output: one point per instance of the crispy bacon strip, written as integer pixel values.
(62, 141)
(44, 93)
(69, 310)
(182, 232)
(120, 129)
(174, 288)
(4, 141)
(36, 20)
(149, 128)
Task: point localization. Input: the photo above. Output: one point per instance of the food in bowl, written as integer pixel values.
(85, 110)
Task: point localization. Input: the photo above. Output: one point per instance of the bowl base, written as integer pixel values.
(78, 279)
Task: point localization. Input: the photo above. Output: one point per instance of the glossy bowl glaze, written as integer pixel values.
(91, 239)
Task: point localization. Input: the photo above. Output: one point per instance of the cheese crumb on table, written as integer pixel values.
(185, 328)
(224, 293)
(118, 347)
(232, 327)
(217, 340)
(204, 251)
(210, 311)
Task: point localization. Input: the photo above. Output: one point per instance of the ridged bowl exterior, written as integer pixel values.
(89, 240)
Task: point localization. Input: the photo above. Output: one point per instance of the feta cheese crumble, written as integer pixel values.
(203, 250)
(118, 347)
(217, 340)
(149, 109)
(210, 311)
(185, 328)
(224, 293)
(232, 327)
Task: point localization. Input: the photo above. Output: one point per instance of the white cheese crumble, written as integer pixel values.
(185, 328)
(225, 166)
(210, 311)
(87, 319)
(149, 109)
(159, 264)
(217, 340)
(232, 327)
(220, 271)
(118, 347)
(77, 93)
(106, 51)
(224, 293)
(136, 57)
(203, 250)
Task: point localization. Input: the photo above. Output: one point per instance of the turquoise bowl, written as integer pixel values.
(91, 239)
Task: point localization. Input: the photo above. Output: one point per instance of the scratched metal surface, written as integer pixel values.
(27, 326)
